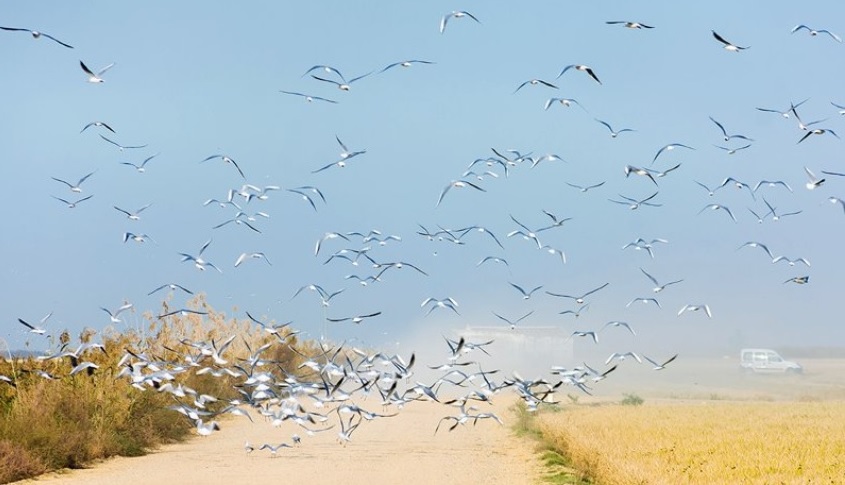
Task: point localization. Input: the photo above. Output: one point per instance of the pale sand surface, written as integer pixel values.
(401, 449)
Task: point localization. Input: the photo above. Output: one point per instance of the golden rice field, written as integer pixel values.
(712, 442)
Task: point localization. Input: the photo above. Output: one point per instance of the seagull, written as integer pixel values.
(613, 134)
(342, 85)
(791, 262)
(206, 429)
(309, 98)
(710, 191)
(114, 314)
(772, 183)
(695, 308)
(755, 244)
(198, 261)
(535, 82)
(659, 174)
(173, 287)
(244, 256)
(579, 299)
(725, 133)
(136, 237)
(629, 169)
(717, 207)
(785, 114)
(585, 188)
(660, 366)
(728, 45)
(357, 319)
(301, 192)
(629, 24)
(182, 312)
(644, 301)
(775, 215)
(669, 147)
(75, 188)
(582, 68)
(814, 32)
(578, 312)
(142, 167)
(617, 323)
(567, 102)
(732, 151)
(817, 131)
(579, 333)
(133, 216)
(513, 323)
(494, 259)
(814, 181)
(33, 328)
(455, 14)
(121, 147)
(623, 356)
(95, 78)
(739, 185)
(657, 286)
(839, 107)
(85, 366)
(801, 280)
(226, 159)
(328, 69)
(72, 205)
(97, 123)
(457, 184)
(274, 449)
(525, 294)
(404, 64)
(556, 222)
(449, 303)
(346, 154)
(837, 200)
(634, 204)
(36, 34)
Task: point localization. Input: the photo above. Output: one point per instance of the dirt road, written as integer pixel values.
(401, 449)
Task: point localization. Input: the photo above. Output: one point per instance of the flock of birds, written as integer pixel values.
(327, 391)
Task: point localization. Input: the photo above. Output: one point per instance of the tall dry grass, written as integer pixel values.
(713, 443)
(69, 421)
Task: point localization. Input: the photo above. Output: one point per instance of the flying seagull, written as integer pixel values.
(813, 32)
(95, 78)
(582, 68)
(309, 97)
(728, 45)
(455, 14)
(226, 159)
(36, 34)
(629, 24)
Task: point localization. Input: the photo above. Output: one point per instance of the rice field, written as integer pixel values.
(702, 442)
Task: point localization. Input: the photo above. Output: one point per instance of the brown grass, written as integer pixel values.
(72, 420)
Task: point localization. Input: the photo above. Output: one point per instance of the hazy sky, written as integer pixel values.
(194, 79)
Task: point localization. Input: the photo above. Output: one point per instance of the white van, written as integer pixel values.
(766, 361)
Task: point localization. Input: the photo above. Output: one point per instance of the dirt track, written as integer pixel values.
(402, 449)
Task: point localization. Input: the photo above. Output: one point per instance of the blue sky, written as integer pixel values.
(194, 79)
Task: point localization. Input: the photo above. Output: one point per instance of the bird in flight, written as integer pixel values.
(36, 34)
(455, 14)
(582, 68)
(95, 78)
(728, 45)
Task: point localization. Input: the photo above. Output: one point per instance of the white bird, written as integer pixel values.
(136, 237)
(114, 314)
(775, 215)
(535, 82)
(660, 366)
(581, 298)
(525, 294)
(133, 216)
(617, 323)
(244, 256)
(582, 68)
(837, 200)
(342, 85)
(119, 146)
(274, 448)
(725, 133)
(200, 263)
(814, 181)
(455, 14)
(206, 429)
(815, 32)
(718, 207)
(669, 147)
(172, 287)
(644, 301)
(577, 312)
(72, 205)
(585, 188)
(226, 159)
(75, 188)
(84, 366)
(513, 323)
(567, 102)
(613, 133)
(635, 204)
(309, 98)
(408, 63)
(785, 114)
(95, 78)
(448, 302)
(695, 308)
(728, 45)
(36, 35)
(629, 24)
(141, 168)
(97, 123)
(33, 328)
(579, 333)
(457, 184)
(657, 286)
(630, 169)
(791, 262)
(623, 356)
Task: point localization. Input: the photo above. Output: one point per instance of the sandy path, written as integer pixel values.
(402, 449)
